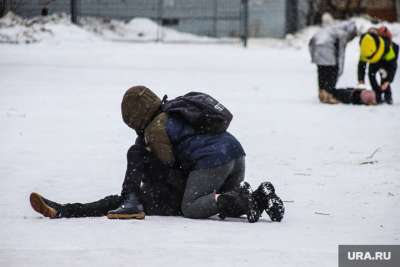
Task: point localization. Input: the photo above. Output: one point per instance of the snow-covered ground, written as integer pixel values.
(62, 135)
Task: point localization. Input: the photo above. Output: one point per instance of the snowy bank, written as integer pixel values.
(15, 29)
(57, 27)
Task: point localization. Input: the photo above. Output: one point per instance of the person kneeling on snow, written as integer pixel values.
(186, 135)
(379, 52)
(327, 48)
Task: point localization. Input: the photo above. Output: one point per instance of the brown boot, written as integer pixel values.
(44, 206)
(129, 209)
(327, 98)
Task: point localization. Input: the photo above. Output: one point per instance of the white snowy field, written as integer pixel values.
(62, 135)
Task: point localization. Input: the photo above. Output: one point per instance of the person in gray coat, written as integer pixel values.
(327, 48)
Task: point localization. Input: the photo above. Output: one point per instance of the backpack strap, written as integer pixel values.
(164, 99)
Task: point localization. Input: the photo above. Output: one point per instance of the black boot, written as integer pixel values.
(388, 96)
(130, 208)
(44, 206)
(267, 200)
(378, 95)
(237, 203)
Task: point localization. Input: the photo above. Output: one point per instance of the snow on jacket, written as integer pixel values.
(327, 47)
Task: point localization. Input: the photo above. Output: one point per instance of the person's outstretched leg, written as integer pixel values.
(54, 210)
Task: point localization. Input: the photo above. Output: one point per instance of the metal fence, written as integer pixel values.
(227, 19)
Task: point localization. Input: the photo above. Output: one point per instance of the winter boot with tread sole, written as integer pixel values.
(236, 203)
(267, 200)
(44, 206)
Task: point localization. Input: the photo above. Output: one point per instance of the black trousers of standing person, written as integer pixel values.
(327, 77)
(373, 70)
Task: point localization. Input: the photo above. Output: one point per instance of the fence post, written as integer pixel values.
(291, 16)
(397, 5)
(160, 12)
(74, 11)
(5, 7)
(215, 19)
(245, 35)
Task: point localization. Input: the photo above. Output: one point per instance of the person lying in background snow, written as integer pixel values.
(184, 162)
(348, 96)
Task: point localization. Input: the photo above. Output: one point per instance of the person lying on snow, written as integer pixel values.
(183, 163)
(348, 96)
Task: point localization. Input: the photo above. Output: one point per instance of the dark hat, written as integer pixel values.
(139, 106)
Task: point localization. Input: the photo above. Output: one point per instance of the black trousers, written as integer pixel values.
(92, 209)
(327, 77)
(348, 95)
(202, 185)
(373, 70)
(159, 188)
(152, 203)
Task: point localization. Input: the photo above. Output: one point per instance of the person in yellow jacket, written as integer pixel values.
(380, 53)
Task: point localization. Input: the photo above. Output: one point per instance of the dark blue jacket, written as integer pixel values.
(201, 151)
